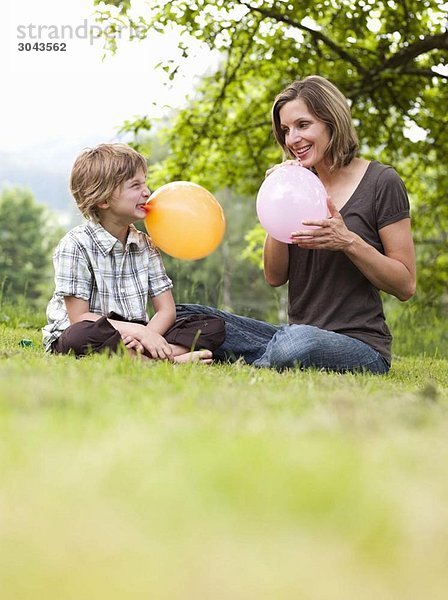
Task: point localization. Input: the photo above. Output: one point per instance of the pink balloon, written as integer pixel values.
(289, 195)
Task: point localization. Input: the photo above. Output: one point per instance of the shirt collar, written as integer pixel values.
(106, 241)
(134, 236)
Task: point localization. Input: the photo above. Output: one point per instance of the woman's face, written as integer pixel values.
(305, 135)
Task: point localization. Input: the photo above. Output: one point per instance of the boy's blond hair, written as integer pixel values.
(99, 171)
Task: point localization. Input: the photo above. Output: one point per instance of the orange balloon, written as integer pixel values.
(185, 220)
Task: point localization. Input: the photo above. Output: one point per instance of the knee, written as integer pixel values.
(88, 337)
(295, 346)
(285, 348)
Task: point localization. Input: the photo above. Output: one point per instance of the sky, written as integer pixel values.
(56, 103)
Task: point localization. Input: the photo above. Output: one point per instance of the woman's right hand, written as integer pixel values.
(295, 161)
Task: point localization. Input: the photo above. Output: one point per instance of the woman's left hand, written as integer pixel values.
(330, 233)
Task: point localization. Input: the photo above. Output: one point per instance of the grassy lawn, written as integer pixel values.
(128, 480)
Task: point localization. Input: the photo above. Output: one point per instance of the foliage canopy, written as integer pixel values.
(387, 56)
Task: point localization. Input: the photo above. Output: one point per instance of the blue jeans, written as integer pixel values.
(264, 345)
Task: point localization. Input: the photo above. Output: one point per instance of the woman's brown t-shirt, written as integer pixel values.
(325, 287)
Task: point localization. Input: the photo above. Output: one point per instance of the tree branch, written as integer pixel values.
(407, 54)
(404, 56)
(228, 76)
(316, 35)
(427, 73)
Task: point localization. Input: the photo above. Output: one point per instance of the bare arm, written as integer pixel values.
(164, 312)
(393, 272)
(78, 310)
(276, 261)
(275, 253)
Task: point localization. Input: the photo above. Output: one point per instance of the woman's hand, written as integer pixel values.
(295, 161)
(330, 233)
(393, 272)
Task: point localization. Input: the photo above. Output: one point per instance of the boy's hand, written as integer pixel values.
(133, 344)
(142, 339)
(155, 344)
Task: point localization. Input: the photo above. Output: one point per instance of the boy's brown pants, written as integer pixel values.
(86, 337)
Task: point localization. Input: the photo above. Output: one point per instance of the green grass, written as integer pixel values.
(128, 480)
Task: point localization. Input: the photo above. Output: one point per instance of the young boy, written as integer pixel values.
(105, 269)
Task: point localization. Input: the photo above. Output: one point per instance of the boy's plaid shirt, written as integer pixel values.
(91, 264)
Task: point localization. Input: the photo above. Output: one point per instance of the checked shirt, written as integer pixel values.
(91, 264)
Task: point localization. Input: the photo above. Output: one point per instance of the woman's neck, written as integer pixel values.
(341, 183)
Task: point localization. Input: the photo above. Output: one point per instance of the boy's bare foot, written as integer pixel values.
(203, 356)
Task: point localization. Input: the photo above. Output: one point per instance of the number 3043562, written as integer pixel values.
(42, 47)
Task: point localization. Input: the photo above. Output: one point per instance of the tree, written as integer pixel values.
(387, 56)
(26, 241)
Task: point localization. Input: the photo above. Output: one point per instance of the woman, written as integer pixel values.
(335, 271)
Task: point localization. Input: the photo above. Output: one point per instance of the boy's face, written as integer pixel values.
(128, 201)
